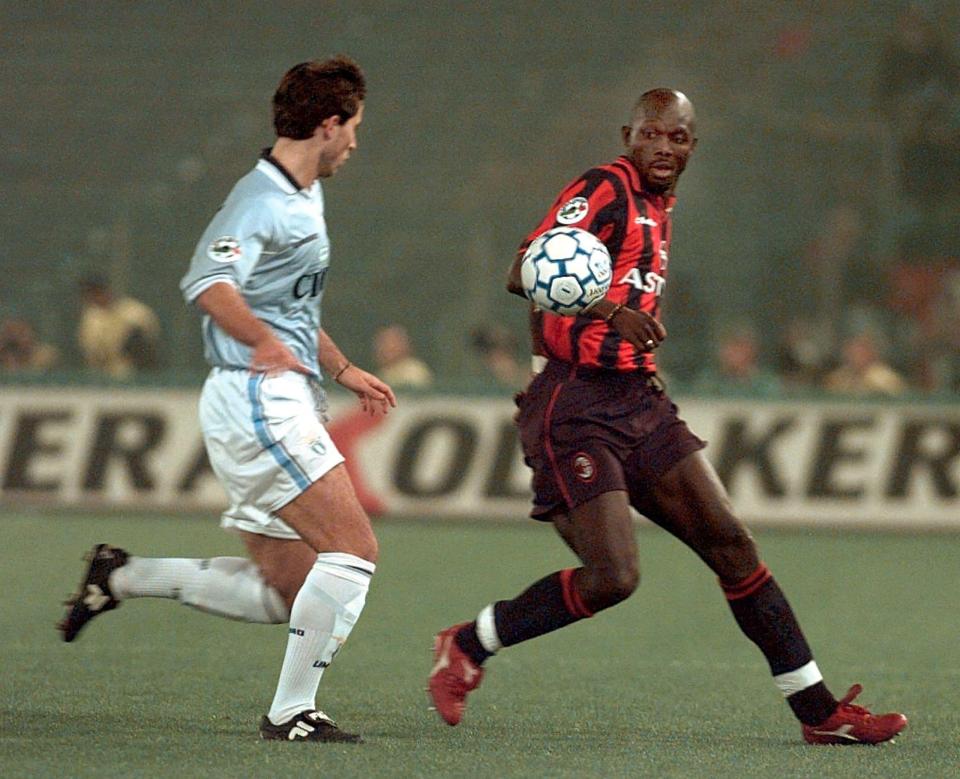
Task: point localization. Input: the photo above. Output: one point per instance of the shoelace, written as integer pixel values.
(319, 717)
(845, 701)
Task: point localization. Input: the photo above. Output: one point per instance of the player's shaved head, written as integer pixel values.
(660, 137)
(654, 102)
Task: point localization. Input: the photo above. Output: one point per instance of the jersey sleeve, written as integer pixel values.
(230, 247)
(591, 203)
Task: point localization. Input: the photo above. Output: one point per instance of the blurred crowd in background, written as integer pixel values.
(867, 304)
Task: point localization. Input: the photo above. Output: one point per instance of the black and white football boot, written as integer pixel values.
(307, 726)
(94, 596)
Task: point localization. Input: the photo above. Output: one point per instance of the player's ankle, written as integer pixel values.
(469, 643)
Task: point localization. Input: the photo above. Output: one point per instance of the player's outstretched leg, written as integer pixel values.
(307, 726)
(766, 618)
(459, 651)
(600, 532)
(690, 502)
(231, 587)
(93, 596)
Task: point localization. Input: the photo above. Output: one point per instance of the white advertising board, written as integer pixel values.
(892, 465)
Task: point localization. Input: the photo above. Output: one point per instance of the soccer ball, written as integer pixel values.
(566, 270)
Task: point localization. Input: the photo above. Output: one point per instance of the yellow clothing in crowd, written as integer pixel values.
(105, 335)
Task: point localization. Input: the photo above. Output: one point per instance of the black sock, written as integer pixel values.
(813, 705)
(545, 606)
(765, 617)
(469, 642)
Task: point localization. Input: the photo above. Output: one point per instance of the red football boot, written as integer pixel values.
(454, 674)
(851, 724)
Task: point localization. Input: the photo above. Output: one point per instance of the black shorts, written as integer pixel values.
(588, 431)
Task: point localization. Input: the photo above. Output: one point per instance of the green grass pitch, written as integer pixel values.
(663, 685)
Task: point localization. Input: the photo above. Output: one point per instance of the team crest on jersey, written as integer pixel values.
(584, 467)
(224, 249)
(573, 211)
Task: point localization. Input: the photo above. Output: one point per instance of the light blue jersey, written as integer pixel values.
(269, 239)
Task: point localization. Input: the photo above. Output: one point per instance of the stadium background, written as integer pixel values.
(124, 125)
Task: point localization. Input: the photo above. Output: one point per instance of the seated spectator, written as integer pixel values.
(21, 350)
(800, 354)
(737, 366)
(497, 349)
(118, 335)
(396, 363)
(862, 371)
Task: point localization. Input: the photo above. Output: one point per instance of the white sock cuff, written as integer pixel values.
(795, 681)
(487, 630)
(347, 563)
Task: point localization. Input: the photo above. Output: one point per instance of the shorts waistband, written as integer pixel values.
(591, 373)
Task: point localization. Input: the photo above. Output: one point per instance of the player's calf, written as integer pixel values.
(460, 651)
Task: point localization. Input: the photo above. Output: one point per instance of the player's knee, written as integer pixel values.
(370, 549)
(732, 551)
(739, 544)
(624, 583)
(611, 586)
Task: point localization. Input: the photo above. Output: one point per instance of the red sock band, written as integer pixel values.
(748, 586)
(571, 598)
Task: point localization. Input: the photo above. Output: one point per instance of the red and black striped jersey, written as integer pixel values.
(609, 202)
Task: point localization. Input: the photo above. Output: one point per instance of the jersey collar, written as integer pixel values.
(661, 202)
(266, 154)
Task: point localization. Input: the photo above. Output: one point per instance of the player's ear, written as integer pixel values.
(625, 132)
(328, 125)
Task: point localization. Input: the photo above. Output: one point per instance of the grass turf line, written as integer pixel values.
(663, 685)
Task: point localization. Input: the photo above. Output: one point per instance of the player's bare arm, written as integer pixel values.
(514, 284)
(224, 303)
(637, 327)
(375, 395)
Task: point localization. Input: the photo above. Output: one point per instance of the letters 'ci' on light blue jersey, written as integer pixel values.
(269, 239)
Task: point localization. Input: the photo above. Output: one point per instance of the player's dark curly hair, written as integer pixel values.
(312, 91)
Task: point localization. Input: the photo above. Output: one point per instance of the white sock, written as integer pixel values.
(799, 679)
(323, 614)
(226, 586)
(487, 630)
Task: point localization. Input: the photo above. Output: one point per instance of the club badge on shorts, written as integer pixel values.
(226, 249)
(573, 211)
(583, 467)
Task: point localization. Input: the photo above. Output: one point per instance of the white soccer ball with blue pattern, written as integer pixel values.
(566, 270)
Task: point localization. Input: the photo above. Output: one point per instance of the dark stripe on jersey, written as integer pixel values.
(629, 171)
(592, 180)
(643, 265)
(268, 156)
(615, 213)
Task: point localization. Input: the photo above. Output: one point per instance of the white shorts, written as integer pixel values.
(266, 443)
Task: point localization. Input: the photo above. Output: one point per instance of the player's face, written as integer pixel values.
(341, 142)
(659, 143)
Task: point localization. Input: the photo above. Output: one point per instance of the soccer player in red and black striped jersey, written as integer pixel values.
(601, 436)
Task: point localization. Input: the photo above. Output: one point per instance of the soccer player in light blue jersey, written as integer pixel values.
(258, 274)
